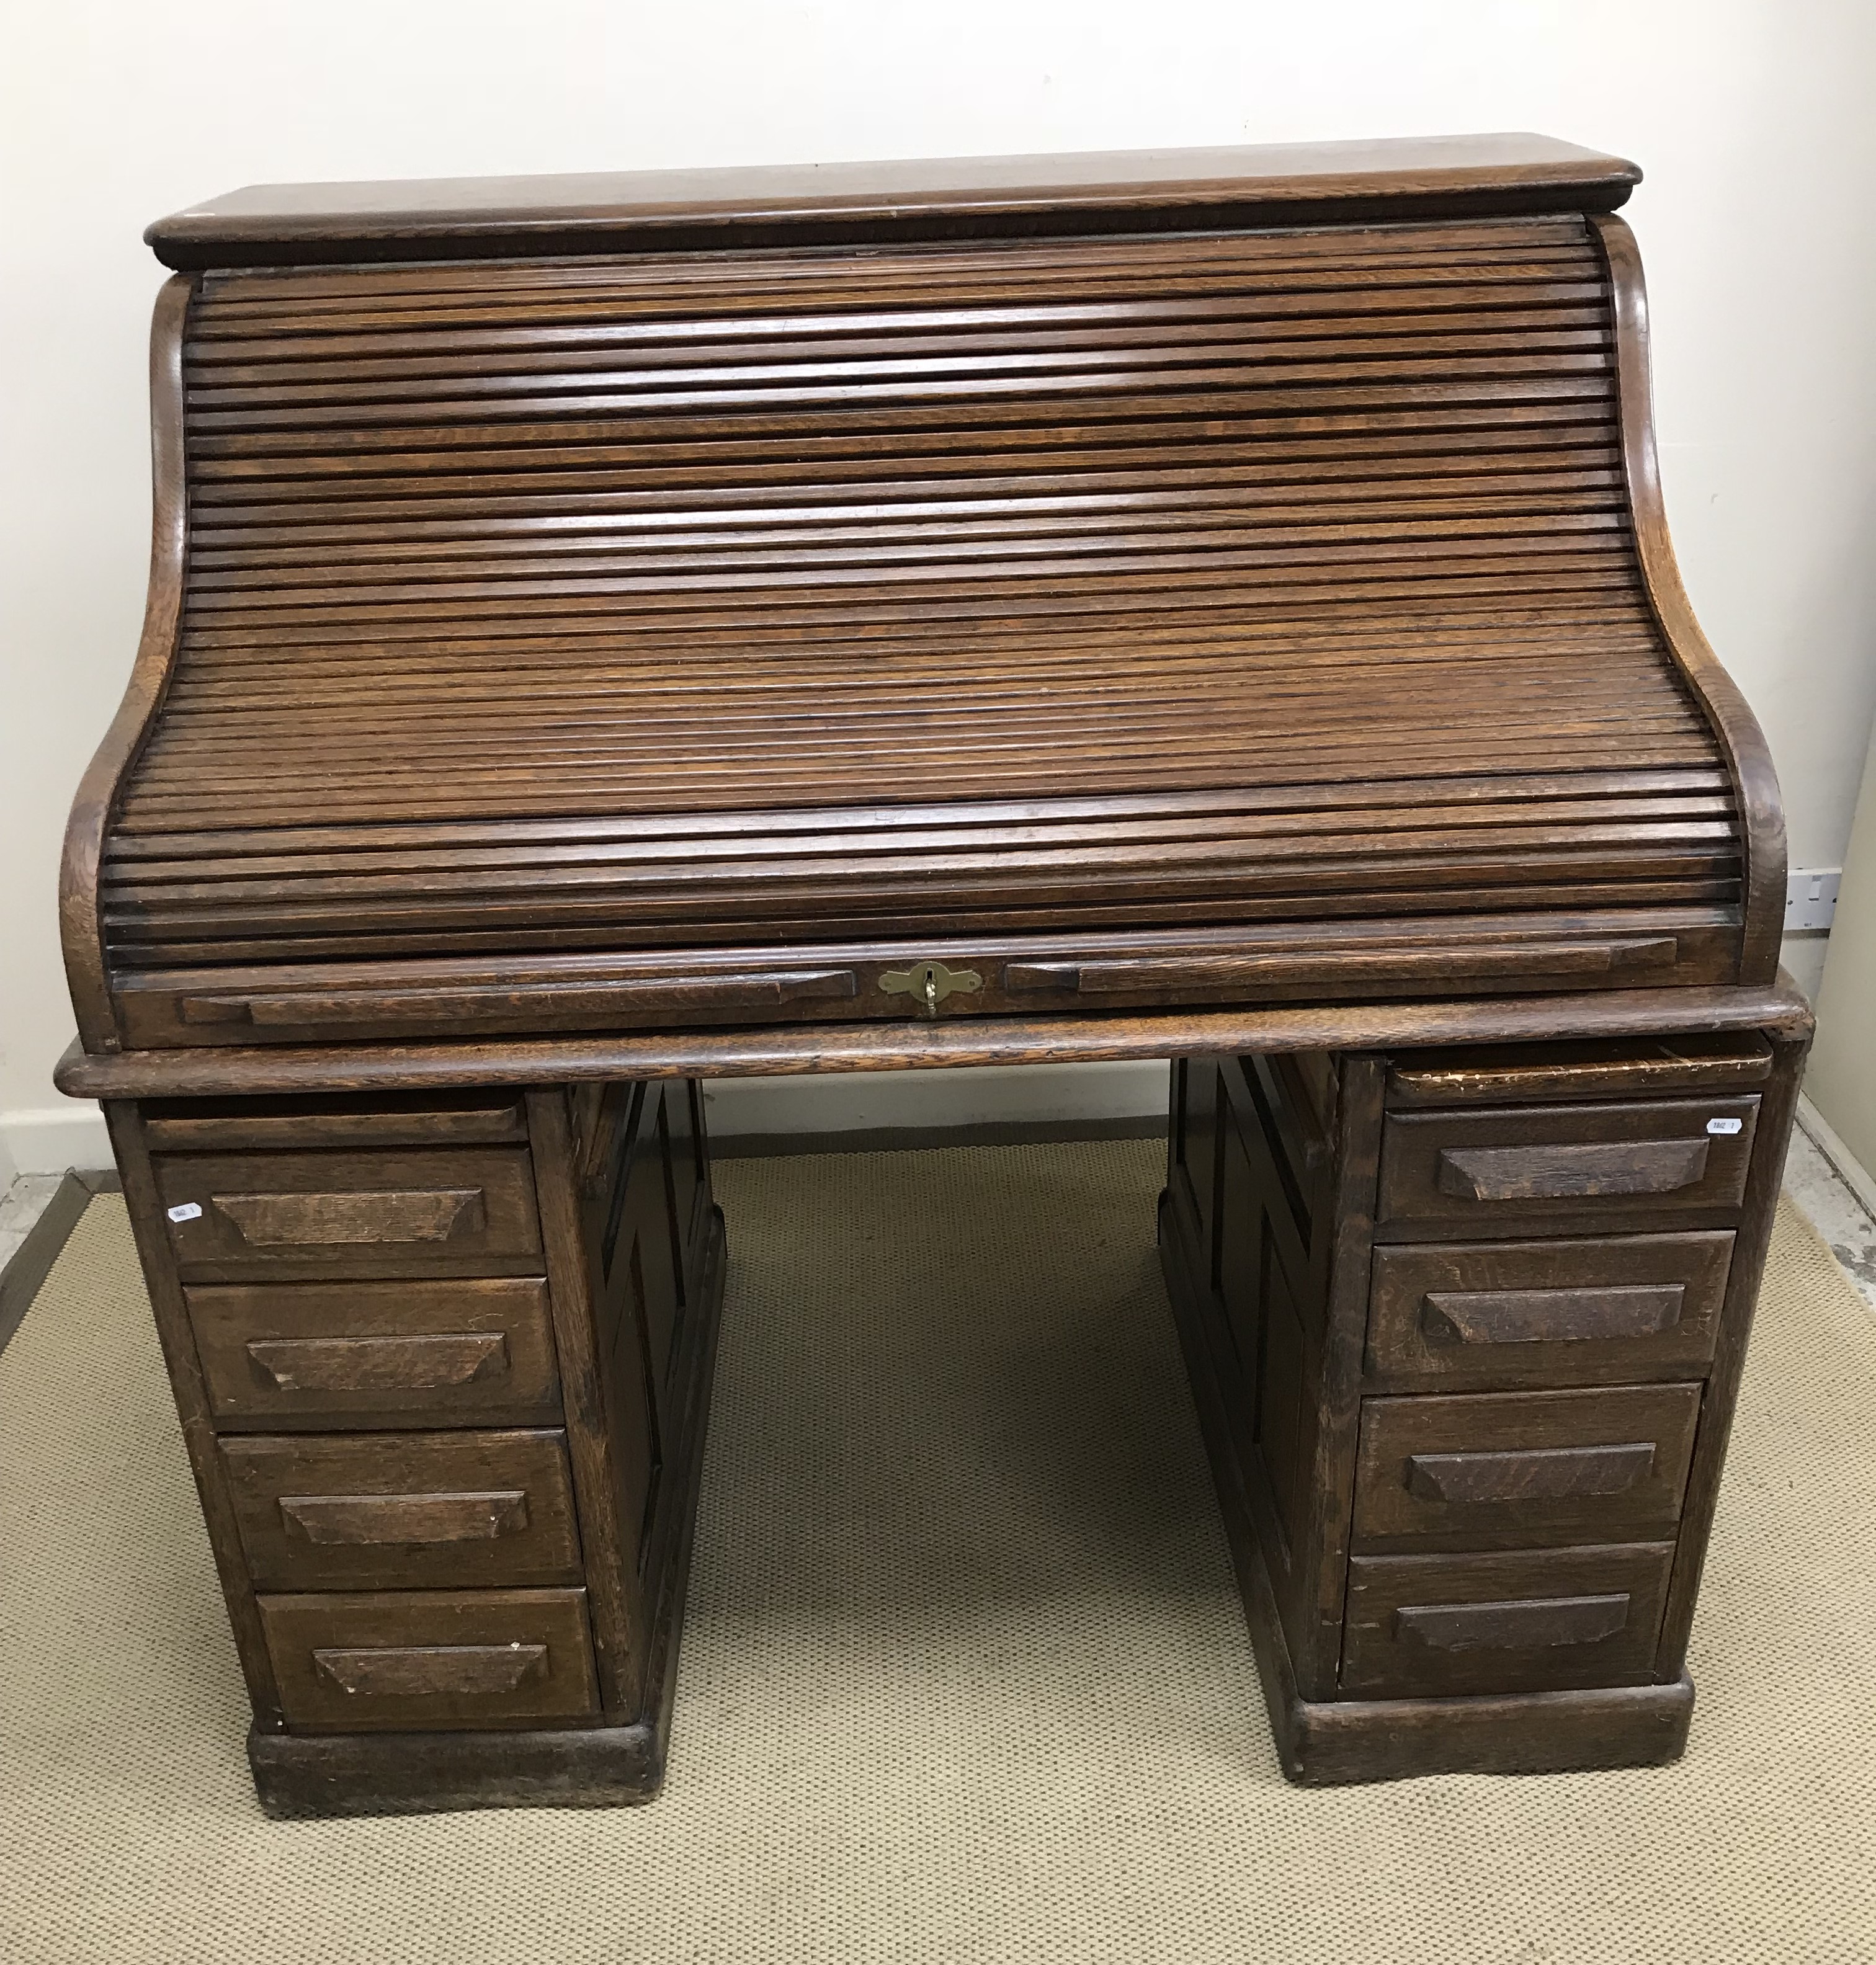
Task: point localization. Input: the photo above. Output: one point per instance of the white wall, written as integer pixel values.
(1751, 120)
(1841, 1082)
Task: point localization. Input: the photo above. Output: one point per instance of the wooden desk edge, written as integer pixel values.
(610, 212)
(946, 1043)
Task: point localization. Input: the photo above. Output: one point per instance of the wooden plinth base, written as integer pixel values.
(311, 1774)
(1329, 1743)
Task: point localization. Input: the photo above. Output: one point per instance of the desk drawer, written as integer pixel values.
(1528, 1621)
(1478, 1170)
(1548, 1313)
(1507, 1470)
(441, 1213)
(404, 1509)
(428, 1660)
(473, 1352)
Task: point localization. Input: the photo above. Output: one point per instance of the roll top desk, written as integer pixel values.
(608, 633)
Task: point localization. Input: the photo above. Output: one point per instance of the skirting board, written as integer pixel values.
(54, 1140)
(1849, 1168)
(72, 1135)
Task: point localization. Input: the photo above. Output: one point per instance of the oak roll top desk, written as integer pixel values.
(608, 632)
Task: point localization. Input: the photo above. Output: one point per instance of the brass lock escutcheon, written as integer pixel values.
(929, 983)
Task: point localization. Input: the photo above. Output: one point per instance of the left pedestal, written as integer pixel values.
(443, 1366)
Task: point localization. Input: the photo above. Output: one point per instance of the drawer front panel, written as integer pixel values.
(428, 1660)
(1526, 1621)
(1618, 1067)
(410, 1510)
(1477, 1168)
(460, 1118)
(348, 1214)
(1548, 1313)
(466, 1352)
(1505, 1470)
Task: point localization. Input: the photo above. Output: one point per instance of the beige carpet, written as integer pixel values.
(964, 1678)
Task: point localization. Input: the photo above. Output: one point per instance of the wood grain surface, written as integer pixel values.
(595, 645)
(612, 212)
(781, 1052)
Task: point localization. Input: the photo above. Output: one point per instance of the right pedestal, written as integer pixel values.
(1464, 1330)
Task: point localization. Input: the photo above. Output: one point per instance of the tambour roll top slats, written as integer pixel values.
(1196, 616)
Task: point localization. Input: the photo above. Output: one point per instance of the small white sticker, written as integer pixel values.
(191, 1211)
(1724, 1126)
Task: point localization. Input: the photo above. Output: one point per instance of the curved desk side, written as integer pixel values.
(1747, 753)
(80, 928)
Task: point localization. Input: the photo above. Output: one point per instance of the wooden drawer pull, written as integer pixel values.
(1552, 1316)
(1531, 1473)
(428, 1363)
(361, 1520)
(291, 1010)
(1556, 1173)
(416, 1671)
(1568, 958)
(326, 1220)
(1527, 1623)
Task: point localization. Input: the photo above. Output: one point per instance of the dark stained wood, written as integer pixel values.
(1572, 1171)
(87, 969)
(386, 1660)
(986, 522)
(572, 993)
(1755, 780)
(1228, 977)
(1349, 1740)
(621, 1631)
(463, 1119)
(1750, 1246)
(920, 1045)
(546, 1006)
(1337, 1739)
(456, 1211)
(194, 1411)
(1268, 1265)
(404, 1510)
(1532, 1530)
(1347, 1229)
(1511, 1470)
(1525, 1317)
(629, 1256)
(319, 1775)
(1268, 183)
(597, 1766)
(1211, 605)
(354, 1365)
(1615, 1309)
(1479, 1170)
(302, 1776)
(1544, 1074)
(1544, 1620)
(468, 1352)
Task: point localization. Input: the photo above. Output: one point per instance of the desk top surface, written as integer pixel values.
(444, 217)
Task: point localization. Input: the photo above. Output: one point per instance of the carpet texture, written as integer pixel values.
(964, 1676)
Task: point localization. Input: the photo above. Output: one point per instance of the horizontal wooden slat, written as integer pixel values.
(682, 603)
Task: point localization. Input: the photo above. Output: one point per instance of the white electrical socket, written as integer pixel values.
(1811, 897)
